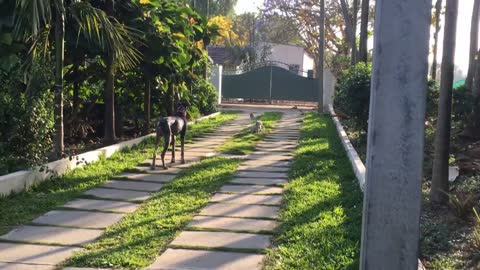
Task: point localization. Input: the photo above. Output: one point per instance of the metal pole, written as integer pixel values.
(391, 208)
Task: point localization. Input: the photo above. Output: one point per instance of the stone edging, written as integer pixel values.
(21, 180)
(357, 164)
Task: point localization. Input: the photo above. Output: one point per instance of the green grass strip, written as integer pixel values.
(20, 208)
(321, 215)
(244, 142)
(139, 237)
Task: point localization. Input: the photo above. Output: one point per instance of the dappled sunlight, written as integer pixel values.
(322, 211)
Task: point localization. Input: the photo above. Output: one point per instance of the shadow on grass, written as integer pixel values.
(321, 215)
(138, 239)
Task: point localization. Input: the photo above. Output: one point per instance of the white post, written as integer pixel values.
(391, 210)
(220, 74)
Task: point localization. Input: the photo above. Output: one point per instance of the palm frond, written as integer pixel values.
(110, 35)
(30, 16)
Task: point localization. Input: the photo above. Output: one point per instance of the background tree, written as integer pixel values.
(436, 21)
(212, 8)
(473, 43)
(363, 50)
(440, 184)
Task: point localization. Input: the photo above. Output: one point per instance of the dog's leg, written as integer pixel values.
(173, 148)
(157, 142)
(166, 137)
(182, 142)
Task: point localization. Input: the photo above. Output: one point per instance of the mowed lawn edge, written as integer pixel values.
(141, 236)
(322, 210)
(20, 208)
(245, 142)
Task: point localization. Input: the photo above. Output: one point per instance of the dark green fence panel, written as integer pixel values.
(255, 84)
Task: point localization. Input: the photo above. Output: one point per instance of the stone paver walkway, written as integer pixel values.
(56, 235)
(236, 226)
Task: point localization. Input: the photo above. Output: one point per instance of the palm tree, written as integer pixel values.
(440, 183)
(473, 44)
(32, 18)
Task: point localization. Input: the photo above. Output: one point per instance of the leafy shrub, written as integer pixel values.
(353, 94)
(205, 97)
(476, 231)
(461, 203)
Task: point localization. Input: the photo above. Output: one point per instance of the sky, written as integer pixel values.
(463, 29)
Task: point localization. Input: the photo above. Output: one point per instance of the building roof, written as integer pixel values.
(220, 55)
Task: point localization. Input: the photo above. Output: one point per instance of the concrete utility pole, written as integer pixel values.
(391, 210)
(321, 55)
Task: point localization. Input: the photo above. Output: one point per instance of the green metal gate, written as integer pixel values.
(269, 83)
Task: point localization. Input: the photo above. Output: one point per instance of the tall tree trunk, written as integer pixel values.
(59, 57)
(146, 105)
(348, 24)
(476, 80)
(438, 14)
(76, 89)
(363, 52)
(442, 137)
(321, 55)
(354, 32)
(109, 119)
(473, 43)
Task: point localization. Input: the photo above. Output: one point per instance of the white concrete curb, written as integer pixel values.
(21, 180)
(357, 164)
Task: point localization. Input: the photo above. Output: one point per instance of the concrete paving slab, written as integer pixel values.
(35, 254)
(260, 181)
(117, 194)
(150, 177)
(102, 205)
(53, 235)
(281, 149)
(274, 175)
(23, 266)
(133, 185)
(240, 210)
(183, 259)
(157, 171)
(271, 163)
(83, 219)
(233, 224)
(263, 168)
(247, 199)
(222, 240)
(270, 156)
(247, 189)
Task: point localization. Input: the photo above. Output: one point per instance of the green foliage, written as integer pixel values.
(321, 215)
(353, 94)
(476, 231)
(461, 203)
(26, 122)
(205, 97)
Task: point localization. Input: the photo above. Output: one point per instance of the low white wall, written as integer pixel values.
(357, 164)
(21, 180)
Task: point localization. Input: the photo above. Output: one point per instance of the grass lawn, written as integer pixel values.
(321, 214)
(244, 142)
(18, 209)
(137, 240)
